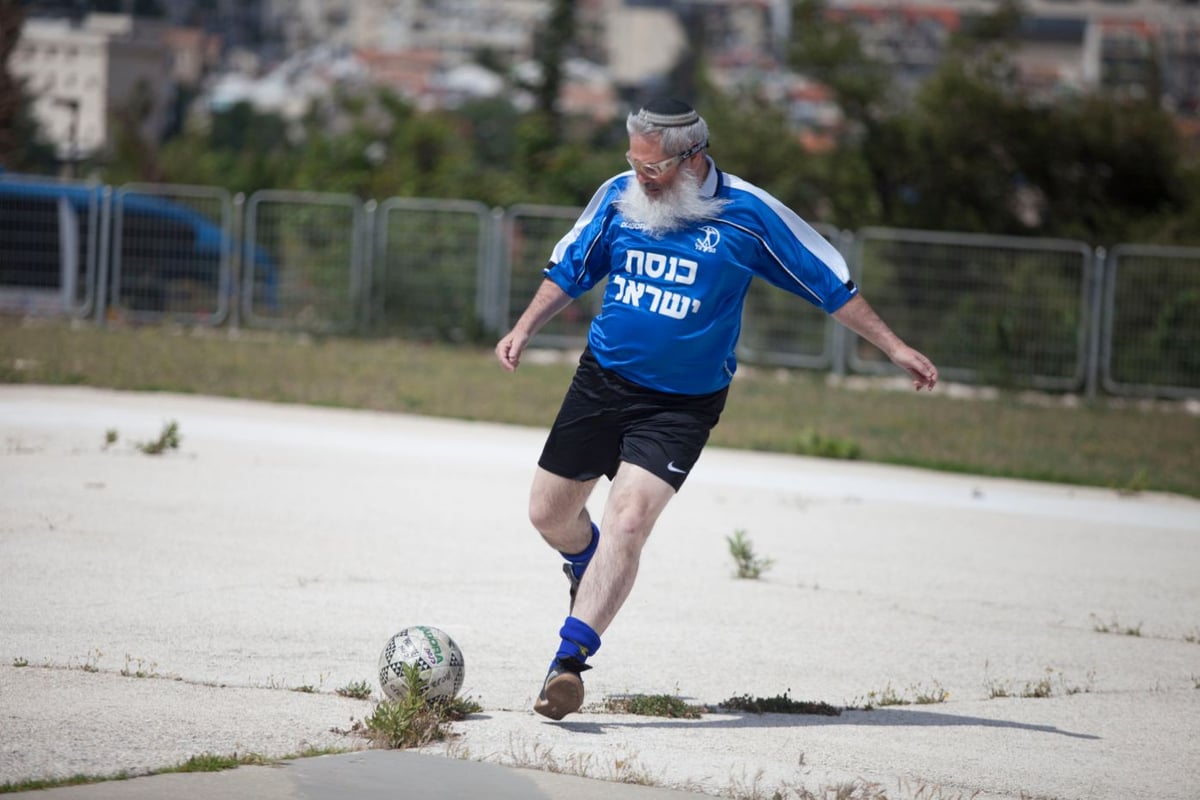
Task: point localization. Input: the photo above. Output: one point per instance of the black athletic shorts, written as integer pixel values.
(606, 419)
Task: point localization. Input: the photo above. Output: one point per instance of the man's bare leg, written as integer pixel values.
(636, 500)
(558, 510)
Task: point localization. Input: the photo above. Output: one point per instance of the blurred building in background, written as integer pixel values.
(81, 74)
(282, 55)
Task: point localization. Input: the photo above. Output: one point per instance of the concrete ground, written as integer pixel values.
(262, 566)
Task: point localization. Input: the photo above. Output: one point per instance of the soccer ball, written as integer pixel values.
(437, 658)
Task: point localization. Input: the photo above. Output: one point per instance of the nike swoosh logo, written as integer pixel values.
(672, 468)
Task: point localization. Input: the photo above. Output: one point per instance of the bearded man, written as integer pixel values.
(679, 242)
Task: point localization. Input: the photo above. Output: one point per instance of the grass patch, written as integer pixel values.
(808, 442)
(1110, 443)
(213, 762)
(653, 705)
(205, 762)
(779, 704)
(54, 783)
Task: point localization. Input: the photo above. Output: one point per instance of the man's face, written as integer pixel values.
(666, 196)
(647, 151)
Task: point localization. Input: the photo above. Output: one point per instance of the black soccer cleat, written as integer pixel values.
(562, 692)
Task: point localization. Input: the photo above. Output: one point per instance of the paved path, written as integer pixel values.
(281, 545)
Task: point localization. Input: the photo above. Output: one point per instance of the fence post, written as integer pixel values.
(494, 309)
(104, 261)
(365, 301)
(235, 261)
(1091, 381)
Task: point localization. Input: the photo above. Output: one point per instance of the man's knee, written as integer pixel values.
(556, 503)
(544, 516)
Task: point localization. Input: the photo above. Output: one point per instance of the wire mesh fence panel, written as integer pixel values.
(530, 235)
(49, 251)
(427, 276)
(1151, 338)
(781, 329)
(302, 261)
(998, 310)
(172, 250)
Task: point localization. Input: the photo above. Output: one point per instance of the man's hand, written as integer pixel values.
(924, 373)
(509, 349)
(858, 316)
(548, 301)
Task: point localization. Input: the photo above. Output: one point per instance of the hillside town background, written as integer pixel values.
(113, 91)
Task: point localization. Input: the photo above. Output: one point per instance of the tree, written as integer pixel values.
(968, 137)
(551, 48)
(21, 144)
(874, 147)
(973, 151)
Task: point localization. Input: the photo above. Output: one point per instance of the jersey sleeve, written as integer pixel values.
(579, 259)
(795, 257)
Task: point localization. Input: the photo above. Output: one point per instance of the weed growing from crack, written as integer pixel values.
(749, 564)
(359, 690)
(168, 439)
(1115, 627)
(1042, 688)
(413, 720)
(653, 705)
(779, 704)
(142, 670)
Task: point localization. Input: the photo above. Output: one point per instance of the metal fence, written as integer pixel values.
(171, 256)
(429, 276)
(1026, 312)
(304, 261)
(1150, 344)
(986, 309)
(49, 245)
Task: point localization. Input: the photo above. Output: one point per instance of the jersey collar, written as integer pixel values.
(709, 188)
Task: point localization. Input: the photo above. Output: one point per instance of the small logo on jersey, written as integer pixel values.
(672, 468)
(708, 244)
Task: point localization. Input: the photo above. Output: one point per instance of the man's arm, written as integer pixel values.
(858, 316)
(549, 300)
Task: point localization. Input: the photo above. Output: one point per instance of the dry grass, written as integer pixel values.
(1116, 444)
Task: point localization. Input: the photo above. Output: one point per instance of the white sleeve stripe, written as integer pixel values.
(817, 244)
(585, 218)
(767, 246)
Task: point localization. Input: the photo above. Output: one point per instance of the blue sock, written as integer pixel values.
(579, 561)
(578, 640)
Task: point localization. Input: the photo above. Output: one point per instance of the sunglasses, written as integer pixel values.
(657, 169)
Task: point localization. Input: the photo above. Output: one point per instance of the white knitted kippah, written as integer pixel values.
(668, 113)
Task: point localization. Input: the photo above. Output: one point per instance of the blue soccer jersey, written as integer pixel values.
(672, 308)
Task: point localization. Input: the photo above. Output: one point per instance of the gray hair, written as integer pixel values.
(678, 135)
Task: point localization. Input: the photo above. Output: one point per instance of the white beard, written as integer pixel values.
(674, 209)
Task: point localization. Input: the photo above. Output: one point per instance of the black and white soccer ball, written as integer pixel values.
(436, 656)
